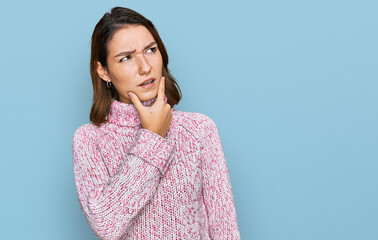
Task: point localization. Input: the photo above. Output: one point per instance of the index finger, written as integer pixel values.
(161, 91)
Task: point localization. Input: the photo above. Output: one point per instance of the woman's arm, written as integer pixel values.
(111, 203)
(217, 190)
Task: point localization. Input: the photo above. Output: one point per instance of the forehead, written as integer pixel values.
(128, 38)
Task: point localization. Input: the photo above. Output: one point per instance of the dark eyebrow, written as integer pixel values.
(130, 52)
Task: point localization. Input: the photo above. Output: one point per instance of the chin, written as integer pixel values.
(147, 96)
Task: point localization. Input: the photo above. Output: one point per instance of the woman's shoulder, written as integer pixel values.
(194, 122)
(86, 133)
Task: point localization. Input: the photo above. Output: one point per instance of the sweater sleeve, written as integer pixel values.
(111, 203)
(217, 189)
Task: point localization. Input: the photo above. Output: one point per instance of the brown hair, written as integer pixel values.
(118, 18)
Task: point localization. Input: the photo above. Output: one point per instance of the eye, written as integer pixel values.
(151, 50)
(124, 59)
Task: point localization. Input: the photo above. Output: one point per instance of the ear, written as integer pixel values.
(102, 72)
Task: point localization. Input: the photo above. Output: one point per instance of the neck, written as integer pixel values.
(145, 103)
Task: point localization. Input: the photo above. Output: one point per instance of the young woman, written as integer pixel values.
(144, 170)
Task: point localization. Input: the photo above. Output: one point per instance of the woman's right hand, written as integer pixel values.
(157, 117)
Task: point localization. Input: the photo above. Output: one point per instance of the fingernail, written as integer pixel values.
(131, 94)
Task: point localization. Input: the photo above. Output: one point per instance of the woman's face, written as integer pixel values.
(133, 58)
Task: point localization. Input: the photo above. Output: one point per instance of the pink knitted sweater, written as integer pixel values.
(134, 184)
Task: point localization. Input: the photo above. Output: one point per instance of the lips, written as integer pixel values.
(149, 80)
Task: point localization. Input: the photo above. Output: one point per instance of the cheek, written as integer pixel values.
(123, 75)
(158, 63)
(123, 80)
(158, 60)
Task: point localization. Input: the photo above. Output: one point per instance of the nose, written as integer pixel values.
(143, 65)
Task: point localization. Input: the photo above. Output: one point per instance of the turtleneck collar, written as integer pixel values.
(125, 114)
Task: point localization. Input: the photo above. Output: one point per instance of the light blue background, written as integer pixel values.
(292, 86)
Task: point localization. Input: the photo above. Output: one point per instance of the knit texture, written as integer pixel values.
(134, 184)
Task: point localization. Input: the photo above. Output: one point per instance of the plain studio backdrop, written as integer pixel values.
(292, 86)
